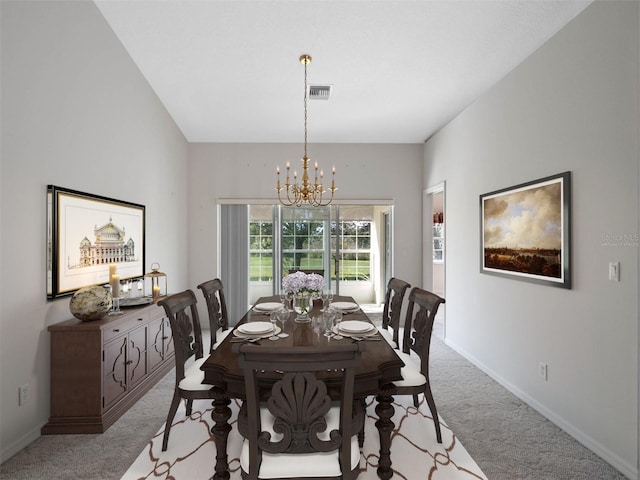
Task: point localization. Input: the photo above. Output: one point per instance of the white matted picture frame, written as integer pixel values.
(85, 234)
(525, 231)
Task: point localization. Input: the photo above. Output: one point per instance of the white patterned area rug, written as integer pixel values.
(415, 454)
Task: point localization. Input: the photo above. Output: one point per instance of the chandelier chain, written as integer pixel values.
(305, 108)
(306, 191)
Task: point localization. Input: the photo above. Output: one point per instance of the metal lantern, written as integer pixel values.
(158, 281)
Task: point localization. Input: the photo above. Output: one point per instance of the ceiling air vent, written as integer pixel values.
(320, 92)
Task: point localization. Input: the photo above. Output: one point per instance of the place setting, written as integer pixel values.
(337, 329)
(344, 307)
(267, 307)
(356, 329)
(258, 330)
(255, 331)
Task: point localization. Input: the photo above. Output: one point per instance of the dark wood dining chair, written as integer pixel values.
(421, 313)
(392, 311)
(182, 311)
(294, 429)
(213, 292)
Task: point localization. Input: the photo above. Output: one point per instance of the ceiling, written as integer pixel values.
(228, 70)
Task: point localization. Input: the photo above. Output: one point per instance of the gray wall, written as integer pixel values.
(76, 113)
(572, 105)
(247, 171)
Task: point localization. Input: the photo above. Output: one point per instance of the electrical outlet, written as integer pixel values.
(543, 370)
(23, 395)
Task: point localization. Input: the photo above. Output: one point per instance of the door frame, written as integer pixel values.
(427, 244)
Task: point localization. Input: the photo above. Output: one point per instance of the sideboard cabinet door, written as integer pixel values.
(137, 356)
(115, 372)
(100, 369)
(160, 342)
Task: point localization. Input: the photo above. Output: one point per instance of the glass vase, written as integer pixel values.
(302, 303)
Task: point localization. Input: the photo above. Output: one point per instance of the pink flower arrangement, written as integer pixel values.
(300, 282)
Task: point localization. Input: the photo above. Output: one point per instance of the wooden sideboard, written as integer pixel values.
(100, 369)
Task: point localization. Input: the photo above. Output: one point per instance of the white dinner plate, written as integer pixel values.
(255, 328)
(370, 333)
(355, 326)
(268, 306)
(345, 306)
(238, 333)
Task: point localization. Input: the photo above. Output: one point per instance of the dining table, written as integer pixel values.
(379, 368)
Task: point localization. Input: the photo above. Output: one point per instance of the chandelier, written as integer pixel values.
(305, 192)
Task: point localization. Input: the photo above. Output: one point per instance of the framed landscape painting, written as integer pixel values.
(85, 234)
(526, 231)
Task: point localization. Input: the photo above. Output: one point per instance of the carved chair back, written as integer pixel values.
(213, 292)
(182, 311)
(391, 313)
(421, 313)
(299, 401)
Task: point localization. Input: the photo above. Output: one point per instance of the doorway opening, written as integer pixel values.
(434, 266)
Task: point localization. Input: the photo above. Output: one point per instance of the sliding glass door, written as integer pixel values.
(348, 244)
(306, 240)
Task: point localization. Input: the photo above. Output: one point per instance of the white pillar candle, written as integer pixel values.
(115, 285)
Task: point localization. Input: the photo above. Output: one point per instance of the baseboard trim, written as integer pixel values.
(624, 467)
(8, 451)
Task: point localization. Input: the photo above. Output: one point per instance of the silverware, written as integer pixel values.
(245, 340)
(367, 339)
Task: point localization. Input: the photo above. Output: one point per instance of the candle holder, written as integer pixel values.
(115, 309)
(158, 281)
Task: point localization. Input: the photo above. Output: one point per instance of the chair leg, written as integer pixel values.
(172, 413)
(434, 411)
(415, 401)
(363, 401)
(189, 407)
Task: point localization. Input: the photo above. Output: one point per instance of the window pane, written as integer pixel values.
(288, 242)
(349, 243)
(364, 228)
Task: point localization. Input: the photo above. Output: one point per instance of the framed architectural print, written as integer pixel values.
(86, 234)
(526, 231)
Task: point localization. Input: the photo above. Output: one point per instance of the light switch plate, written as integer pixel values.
(614, 271)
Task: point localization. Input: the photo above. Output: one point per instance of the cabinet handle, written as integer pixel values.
(140, 319)
(164, 338)
(116, 330)
(129, 362)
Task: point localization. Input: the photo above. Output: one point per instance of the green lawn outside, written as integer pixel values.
(260, 268)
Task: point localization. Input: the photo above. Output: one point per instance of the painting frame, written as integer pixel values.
(77, 255)
(525, 231)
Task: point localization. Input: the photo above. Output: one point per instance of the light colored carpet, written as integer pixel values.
(415, 452)
(507, 439)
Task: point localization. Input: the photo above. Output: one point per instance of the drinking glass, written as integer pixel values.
(336, 318)
(284, 299)
(283, 316)
(273, 316)
(328, 325)
(325, 299)
(317, 324)
(329, 298)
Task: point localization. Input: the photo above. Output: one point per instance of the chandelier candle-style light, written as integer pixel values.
(305, 192)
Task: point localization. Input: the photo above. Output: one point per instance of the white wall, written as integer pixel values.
(248, 171)
(76, 113)
(573, 105)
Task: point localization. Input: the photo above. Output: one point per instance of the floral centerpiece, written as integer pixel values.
(302, 287)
